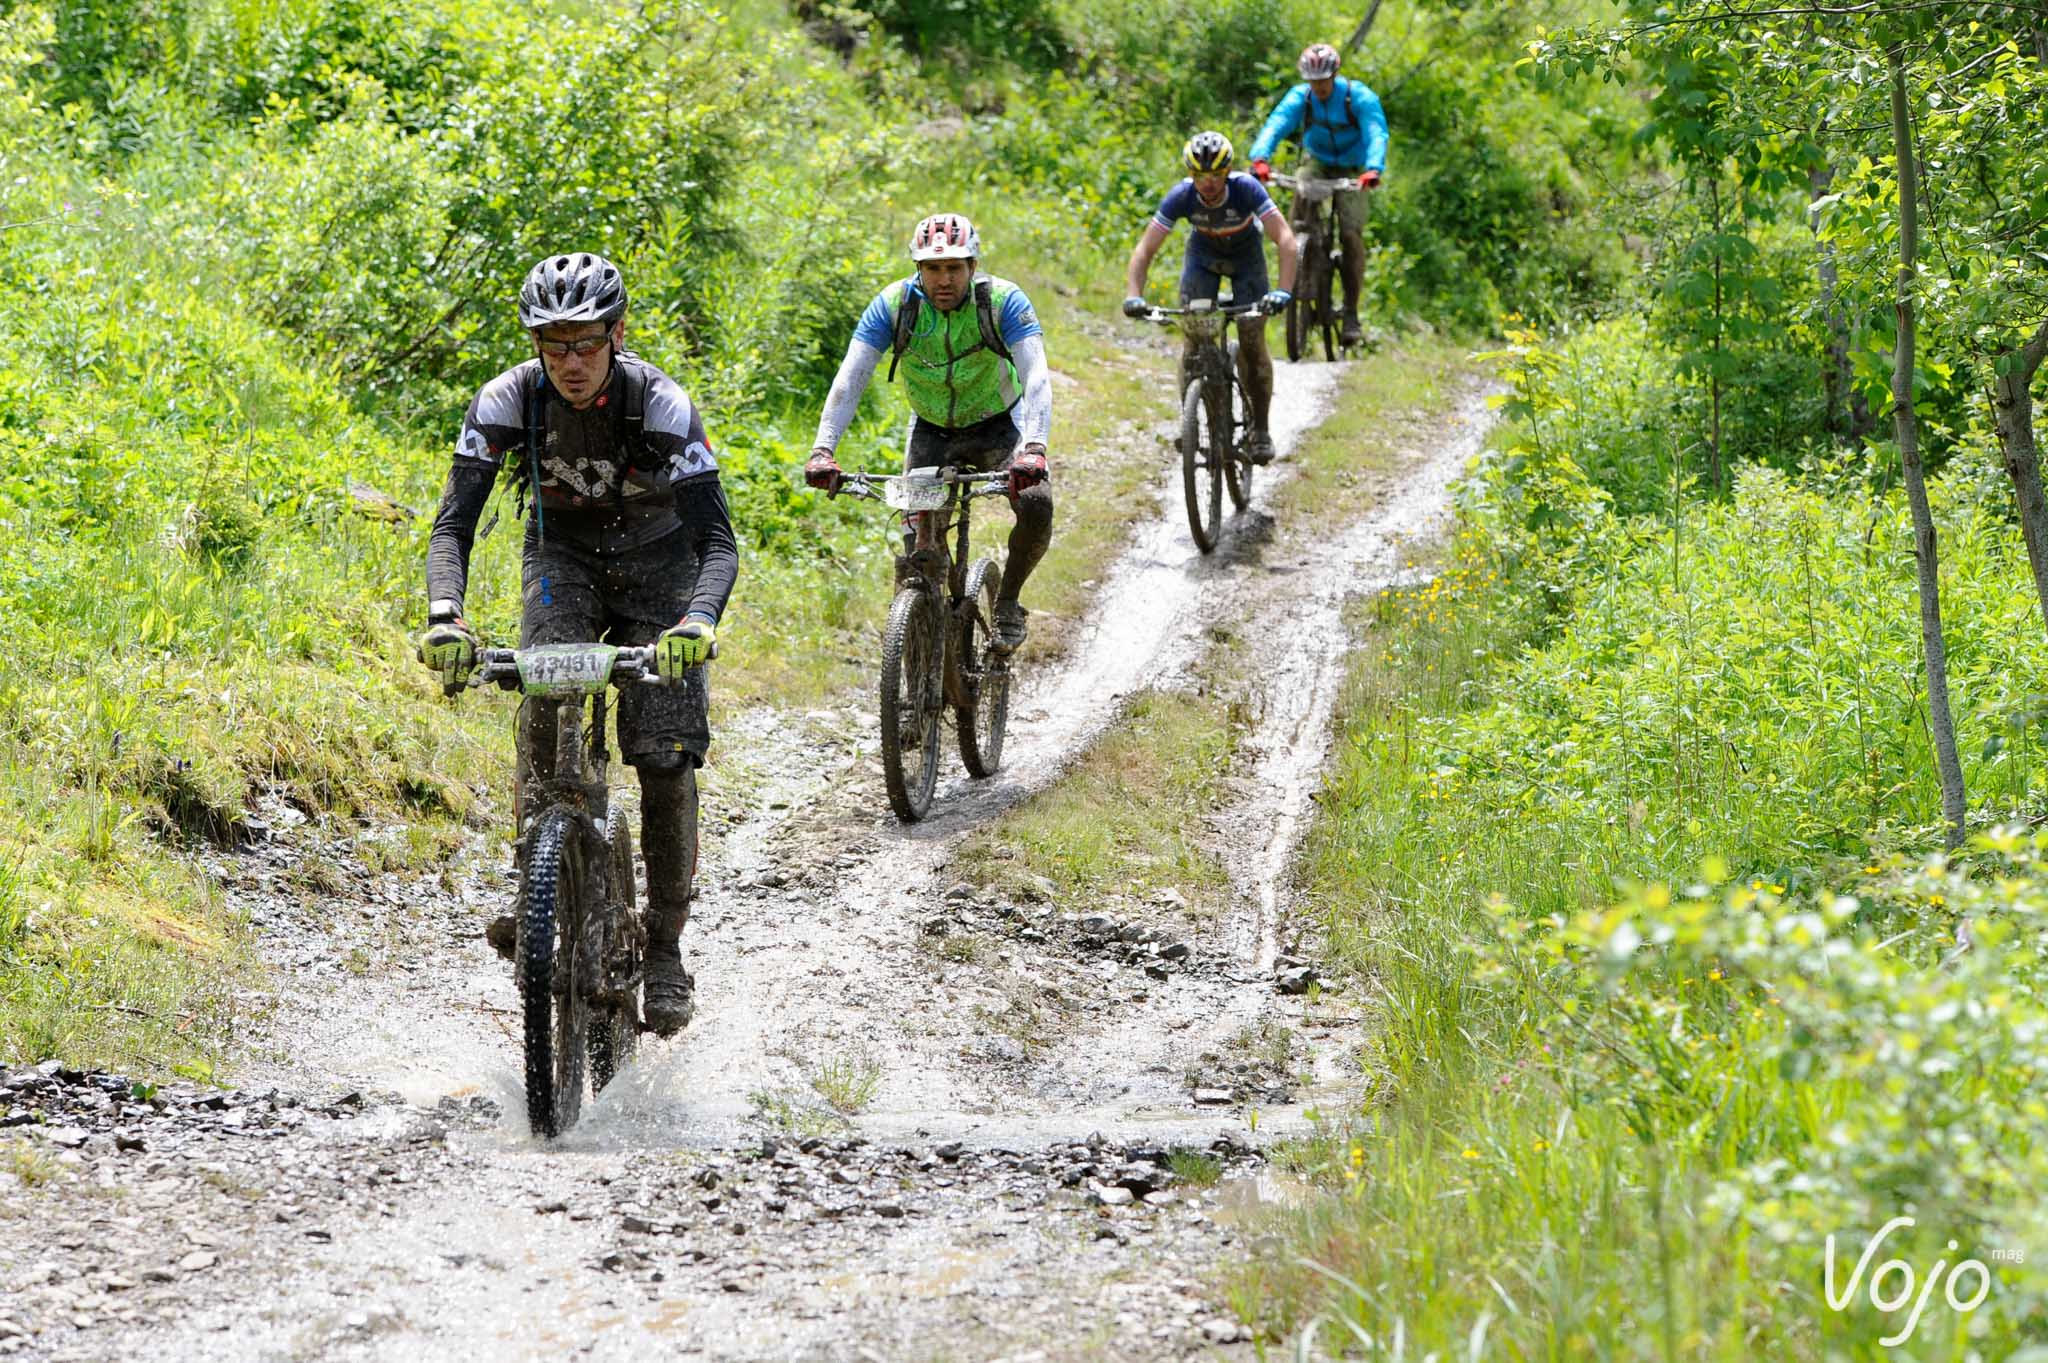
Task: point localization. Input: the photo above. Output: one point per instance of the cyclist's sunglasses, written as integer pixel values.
(582, 345)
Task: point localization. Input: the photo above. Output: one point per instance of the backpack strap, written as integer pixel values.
(629, 413)
(985, 315)
(905, 328)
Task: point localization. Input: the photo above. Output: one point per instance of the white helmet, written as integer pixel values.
(945, 236)
(579, 287)
(1319, 61)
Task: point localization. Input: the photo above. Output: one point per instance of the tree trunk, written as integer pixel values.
(1939, 721)
(2012, 400)
(1364, 27)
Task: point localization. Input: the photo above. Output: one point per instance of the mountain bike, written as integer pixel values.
(581, 949)
(939, 649)
(1322, 249)
(1212, 411)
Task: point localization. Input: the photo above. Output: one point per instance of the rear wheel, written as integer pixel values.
(556, 1021)
(1201, 480)
(985, 674)
(1297, 315)
(911, 700)
(615, 1029)
(1237, 470)
(1326, 314)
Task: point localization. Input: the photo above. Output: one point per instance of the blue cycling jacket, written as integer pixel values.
(1348, 130)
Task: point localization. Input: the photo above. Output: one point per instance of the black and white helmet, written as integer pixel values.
(1318, 61)
(573, 288)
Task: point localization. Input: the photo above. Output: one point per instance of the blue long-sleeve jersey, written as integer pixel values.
(1347, 130)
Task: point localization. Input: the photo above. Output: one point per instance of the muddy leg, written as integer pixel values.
(1255, 369)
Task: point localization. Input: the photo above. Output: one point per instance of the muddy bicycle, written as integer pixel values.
(580, 949)
(1213, 408)
(939, 650)
(1322, 252)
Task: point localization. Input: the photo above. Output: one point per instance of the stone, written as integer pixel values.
(1212, 1096)
(198, 1261)
(1295, 980)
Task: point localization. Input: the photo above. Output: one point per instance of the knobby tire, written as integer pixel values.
(911, 703)
(986, 674)
(1197, 456)
(1238, 469)
(1326, 316)
(615, 1030)
(556, 1023)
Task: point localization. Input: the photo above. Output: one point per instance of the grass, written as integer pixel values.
(1579, 1146)
(794, 1113)
(1389, 402)
(1127, 818)
(847, 1082)
(31, 1167)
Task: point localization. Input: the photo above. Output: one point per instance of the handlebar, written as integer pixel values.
(857, 483)
(1316, 189)
(500, 667)
(1167, 316)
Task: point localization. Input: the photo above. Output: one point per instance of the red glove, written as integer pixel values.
(1264, 170)
(824, 473)
(1369, 180)
(1027, 469)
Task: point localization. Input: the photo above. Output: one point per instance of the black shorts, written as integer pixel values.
(983, 447)
(575, 596)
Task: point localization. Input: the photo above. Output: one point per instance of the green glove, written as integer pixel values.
(688, 643)
(449, 648)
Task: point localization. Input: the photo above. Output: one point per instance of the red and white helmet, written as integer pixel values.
(945, 236)
(1319, 61)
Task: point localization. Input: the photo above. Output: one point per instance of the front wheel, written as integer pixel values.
(1297, 327)
(1201, 478)
(986, 675)
(912, 697)
(556, 1020)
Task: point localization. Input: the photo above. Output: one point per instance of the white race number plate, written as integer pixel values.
(566, 669)
(914, 494)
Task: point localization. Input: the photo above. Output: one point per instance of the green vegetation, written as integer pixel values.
(846, 1082)
(1631, 839)
(1127, 818)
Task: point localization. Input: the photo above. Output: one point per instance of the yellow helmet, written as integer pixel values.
(1206, 153)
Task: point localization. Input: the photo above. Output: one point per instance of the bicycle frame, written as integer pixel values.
(931, 564)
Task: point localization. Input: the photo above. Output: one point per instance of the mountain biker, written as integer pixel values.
(1226, 211)
(1344, 134)
(630, 541)
(973, 357)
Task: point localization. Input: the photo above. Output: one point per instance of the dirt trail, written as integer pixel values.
(1006, 1187)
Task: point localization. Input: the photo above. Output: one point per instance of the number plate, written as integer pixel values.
(566, 669)
(915, 494)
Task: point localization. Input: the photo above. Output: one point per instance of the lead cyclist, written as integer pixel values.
(629, 542)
